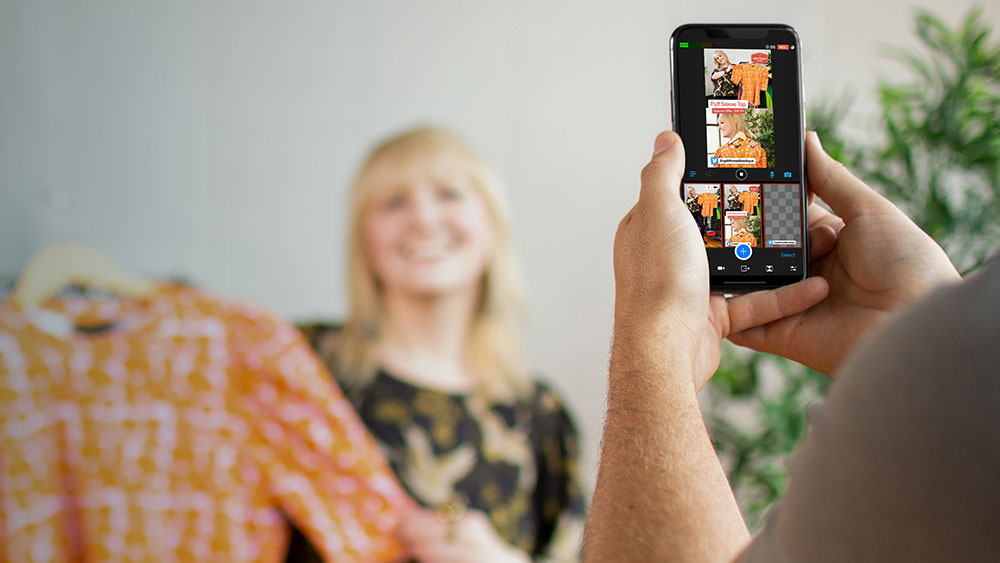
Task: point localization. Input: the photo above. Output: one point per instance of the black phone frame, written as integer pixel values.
(747, 283)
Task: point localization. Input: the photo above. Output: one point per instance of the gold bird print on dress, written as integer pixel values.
(501, 443)
(432, 478)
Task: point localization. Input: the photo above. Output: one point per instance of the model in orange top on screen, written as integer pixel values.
(733, 126)
(743, 236)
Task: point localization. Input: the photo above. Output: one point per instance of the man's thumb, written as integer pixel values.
(661, 178)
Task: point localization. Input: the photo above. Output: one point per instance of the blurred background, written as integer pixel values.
(215, 141)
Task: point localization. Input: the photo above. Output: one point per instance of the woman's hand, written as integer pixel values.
(470, 538)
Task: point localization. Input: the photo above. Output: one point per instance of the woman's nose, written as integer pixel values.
(425, 210)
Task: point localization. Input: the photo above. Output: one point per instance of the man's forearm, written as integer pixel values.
(661, 493)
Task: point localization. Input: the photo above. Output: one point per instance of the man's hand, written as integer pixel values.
(662, 297)
(661, 493)
(874, 258)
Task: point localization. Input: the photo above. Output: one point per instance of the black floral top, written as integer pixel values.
(723, 86)
(518, 463)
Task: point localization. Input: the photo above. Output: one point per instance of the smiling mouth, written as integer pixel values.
(428, 250)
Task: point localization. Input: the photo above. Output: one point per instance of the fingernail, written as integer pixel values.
(663, 142)
(816, 137)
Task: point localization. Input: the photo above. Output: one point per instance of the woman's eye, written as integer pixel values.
(449, 193)
(397, 201)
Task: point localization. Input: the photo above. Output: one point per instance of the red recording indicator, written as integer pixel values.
(782, 47)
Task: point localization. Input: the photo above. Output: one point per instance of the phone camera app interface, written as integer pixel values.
(739, 111)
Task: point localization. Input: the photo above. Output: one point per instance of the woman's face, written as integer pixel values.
(721, 59)
(428, 233)
(725, 128)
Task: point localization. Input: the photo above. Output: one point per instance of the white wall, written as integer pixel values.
(215, 140)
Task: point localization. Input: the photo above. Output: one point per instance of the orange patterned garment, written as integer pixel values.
(708, 202)
(749, 200)
(188, 431)
(752, 78)
(746, 237)
(741, 147)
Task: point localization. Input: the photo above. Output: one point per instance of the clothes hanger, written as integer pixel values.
(60, 264)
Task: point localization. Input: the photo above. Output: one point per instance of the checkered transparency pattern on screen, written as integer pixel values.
(782, 215)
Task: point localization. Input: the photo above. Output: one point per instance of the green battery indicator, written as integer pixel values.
(684, 44)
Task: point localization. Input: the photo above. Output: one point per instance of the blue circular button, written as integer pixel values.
(743, 251)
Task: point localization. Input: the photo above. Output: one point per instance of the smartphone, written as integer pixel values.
(736, 102)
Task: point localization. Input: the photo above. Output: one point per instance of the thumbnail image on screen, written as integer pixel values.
(782, 216)
(705, 203)
(742, 221)
(739, 117)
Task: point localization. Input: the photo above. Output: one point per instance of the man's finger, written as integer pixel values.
(762, 307)
(822, 239)
(661, 178)
(817, 212)
(761, 337)
(819, 216)
(833, 183)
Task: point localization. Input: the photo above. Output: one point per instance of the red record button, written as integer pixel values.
(782, 47)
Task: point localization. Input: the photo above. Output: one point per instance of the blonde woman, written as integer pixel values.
(722, 74)
(733, 126)
(733, 198)
(431, 358)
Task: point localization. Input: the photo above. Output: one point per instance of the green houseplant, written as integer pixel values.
(936, 154)
(761, 124)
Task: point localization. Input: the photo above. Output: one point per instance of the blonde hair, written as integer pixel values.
(493, 345)
(737, 122)
(716, 61)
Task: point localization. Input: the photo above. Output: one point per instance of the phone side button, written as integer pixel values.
(673, 110)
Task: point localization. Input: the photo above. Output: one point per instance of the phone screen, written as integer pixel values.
(737, 105)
